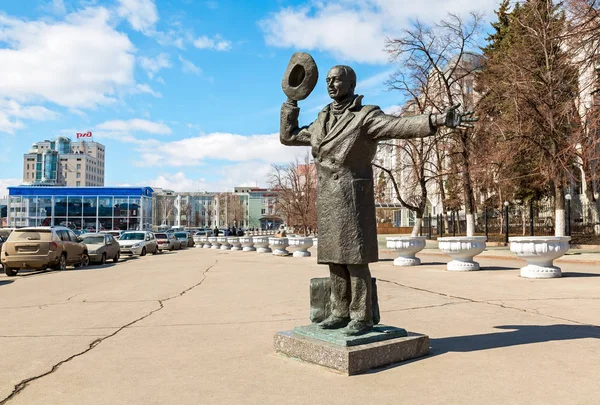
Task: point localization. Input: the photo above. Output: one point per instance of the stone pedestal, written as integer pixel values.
(224, 243)
(340, 353)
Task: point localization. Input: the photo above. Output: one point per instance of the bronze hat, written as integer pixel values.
(300, 77)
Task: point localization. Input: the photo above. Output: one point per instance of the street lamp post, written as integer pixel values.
(568, 221)
(531, 217)
(485, 213)
(506, 228)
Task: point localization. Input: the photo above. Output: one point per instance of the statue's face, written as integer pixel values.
(339, 86)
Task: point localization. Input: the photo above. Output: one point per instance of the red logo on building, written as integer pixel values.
(84, 135)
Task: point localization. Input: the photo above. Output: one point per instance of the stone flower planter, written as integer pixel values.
(315, 242)
(279, 246)
(301, 244)
(198, 242)
(224, 243)
(211, 241)
(407, 247)
(235, 243)
(214, 242)
(462, 249)
(539, 252)
(247, 244)
(262, 244)
(202, 241)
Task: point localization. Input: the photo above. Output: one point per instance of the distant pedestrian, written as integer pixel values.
(216, 231)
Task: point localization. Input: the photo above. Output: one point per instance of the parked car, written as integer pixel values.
(138, 243)
(167, 241)
(43, 247)
(186, 239)
(115, 234)
(102, 247)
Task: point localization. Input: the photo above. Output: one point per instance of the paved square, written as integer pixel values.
(197, 326)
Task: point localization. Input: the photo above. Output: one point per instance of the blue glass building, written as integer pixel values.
(82, 208)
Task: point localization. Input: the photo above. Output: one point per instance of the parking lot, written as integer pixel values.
(196, 327)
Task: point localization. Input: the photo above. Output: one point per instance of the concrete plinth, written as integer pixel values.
(351, 360)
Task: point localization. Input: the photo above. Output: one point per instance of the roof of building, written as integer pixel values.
(79, 191)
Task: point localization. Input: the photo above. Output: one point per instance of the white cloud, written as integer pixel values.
(56, 7)
(135, 125)
(11, 114)
(141, 14)
(5, 183)
(224, 179)
(221, 146)
(356, 30)
(217, 43)
(189, 67)
(79, 62)
(153, 65)
(145, 88)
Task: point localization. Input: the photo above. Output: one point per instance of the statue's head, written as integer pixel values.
(341, 82)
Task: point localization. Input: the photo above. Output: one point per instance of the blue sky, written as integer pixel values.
(185, 94)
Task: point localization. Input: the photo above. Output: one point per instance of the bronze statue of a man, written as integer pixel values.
(344, 141)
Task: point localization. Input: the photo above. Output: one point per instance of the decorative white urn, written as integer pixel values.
(407, 247)
(301, 244)
(279, 246)
(214, 243)
(224, 243)
(235, 243)
(247, 244)
(315, 242)
(462, 249)
(198, 242)
(539, 252)
(211, 241)
(262, 244)
(202, 241)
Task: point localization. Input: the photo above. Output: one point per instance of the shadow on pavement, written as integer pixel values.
(4, 282)
(484, 268)
(577, 274)
(518, 335)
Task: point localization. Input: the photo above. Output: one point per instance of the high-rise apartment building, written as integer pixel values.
(64, 163)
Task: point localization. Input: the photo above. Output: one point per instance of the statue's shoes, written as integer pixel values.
(355, 328)
(333, 322)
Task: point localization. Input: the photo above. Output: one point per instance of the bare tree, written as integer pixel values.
(296, 185)
(438, 70)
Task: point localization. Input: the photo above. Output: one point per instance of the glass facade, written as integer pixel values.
(81, 208)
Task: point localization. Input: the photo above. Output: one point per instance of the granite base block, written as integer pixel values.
(336, 336)
(353, 359)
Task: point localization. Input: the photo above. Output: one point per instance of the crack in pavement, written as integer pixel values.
(24, 383)
(489, 302)
(424, 307)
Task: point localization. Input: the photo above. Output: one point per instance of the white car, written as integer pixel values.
(138, 243)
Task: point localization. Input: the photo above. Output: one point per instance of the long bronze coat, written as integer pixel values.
(345, 198)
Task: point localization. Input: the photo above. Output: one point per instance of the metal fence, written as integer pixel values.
(582, 222)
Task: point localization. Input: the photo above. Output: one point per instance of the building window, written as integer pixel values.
(78, 183)
(78, 166)
(263, 211)
(78, 176)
